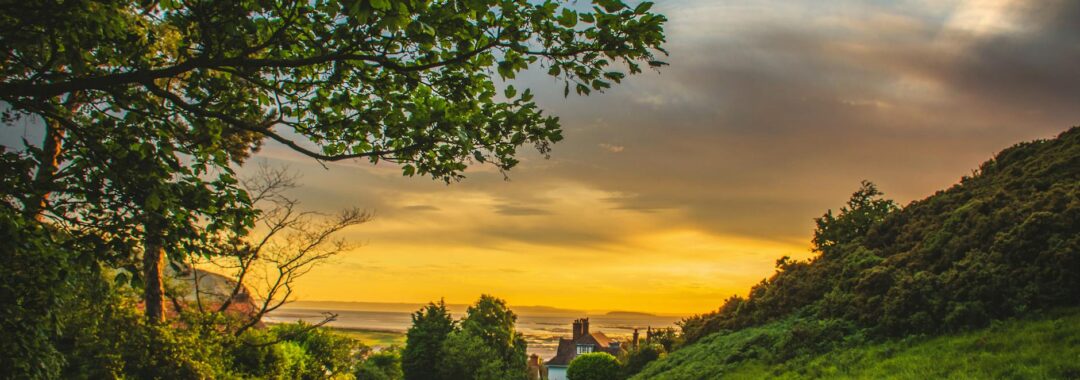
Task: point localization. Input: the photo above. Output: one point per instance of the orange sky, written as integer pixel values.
(682, 187)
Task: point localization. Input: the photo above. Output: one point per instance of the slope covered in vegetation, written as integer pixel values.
(1001, 243)
(1042, 347)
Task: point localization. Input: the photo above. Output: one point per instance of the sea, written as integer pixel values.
(542, 326)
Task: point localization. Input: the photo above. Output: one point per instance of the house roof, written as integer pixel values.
(565, 353)
(567, 349)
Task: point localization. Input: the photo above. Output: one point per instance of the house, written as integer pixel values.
(582, 342)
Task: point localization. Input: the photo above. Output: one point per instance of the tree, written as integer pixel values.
(484, 345)
(267, 263)
(468, 357)
(493, 322)
(593, 366)
(431, 325)
(865, 209)
(406, 81)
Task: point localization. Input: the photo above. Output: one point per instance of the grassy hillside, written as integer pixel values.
(1002, 243)
(1043, 347)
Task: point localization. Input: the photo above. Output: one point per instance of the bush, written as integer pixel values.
(638, 358)
(382, 365)
(322, 352)
(35, 285)
(593, 366)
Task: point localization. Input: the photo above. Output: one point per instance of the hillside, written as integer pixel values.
(1001, 243)
(1042, 347)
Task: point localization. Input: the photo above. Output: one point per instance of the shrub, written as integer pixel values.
(593, 366)
(382, 365)
(637, 358)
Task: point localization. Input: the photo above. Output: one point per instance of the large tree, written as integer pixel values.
(420, 359)
(485, 347)
(204, 82)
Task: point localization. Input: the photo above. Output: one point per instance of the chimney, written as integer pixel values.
(584, 326)
(577, 329)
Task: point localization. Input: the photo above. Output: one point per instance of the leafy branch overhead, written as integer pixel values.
(407, 81)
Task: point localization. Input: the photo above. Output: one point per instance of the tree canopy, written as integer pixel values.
(148, 107)
(172, 94)
(431, 326)
(406, 81)
(484, 345)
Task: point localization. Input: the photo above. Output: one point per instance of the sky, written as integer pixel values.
(683, 186)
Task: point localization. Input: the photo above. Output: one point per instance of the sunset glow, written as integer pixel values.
(684, 186)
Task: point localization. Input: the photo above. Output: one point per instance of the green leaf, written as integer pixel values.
(122, 278)
(611, 5)
(643, 7)
(510, 92)
(554, 70)
(568, 18)
(381, 5)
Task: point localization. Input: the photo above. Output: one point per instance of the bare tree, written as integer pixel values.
(286, 244)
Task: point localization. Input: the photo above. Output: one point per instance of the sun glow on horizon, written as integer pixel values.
(474, 244)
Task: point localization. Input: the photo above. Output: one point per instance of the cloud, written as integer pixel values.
(611, 148)
(770, 113)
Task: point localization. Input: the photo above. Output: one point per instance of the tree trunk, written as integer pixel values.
(36, 202)
(153, 264)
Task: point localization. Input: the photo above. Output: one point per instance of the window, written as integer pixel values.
(584, 348)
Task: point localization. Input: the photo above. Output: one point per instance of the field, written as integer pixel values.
(373, 338)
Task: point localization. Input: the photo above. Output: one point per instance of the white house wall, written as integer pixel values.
(556, 373)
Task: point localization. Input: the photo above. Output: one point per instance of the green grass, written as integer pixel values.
(1046, 347)
(373, 338)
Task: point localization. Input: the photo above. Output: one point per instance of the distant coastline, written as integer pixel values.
(618, 313)
(408, 307)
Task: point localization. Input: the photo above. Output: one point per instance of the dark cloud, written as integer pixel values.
(420, 208)
(1033, 71)
(762, 121)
